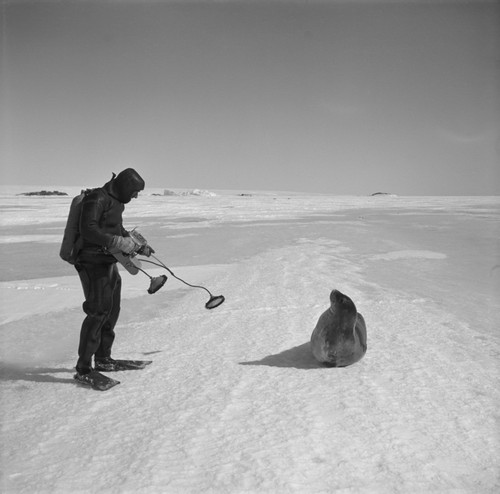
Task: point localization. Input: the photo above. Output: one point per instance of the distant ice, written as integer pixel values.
(408, 254)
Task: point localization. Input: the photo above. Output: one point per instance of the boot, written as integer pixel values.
(106, 364)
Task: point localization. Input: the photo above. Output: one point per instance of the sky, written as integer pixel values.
(335, 97)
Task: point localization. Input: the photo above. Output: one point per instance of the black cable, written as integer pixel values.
(161, 265)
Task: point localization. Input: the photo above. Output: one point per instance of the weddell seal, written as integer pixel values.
(339, 338)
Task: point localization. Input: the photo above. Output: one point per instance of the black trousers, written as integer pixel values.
(101, 285)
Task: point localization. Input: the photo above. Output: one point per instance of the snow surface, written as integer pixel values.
(234, 402)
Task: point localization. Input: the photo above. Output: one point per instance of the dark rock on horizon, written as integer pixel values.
(43, 193)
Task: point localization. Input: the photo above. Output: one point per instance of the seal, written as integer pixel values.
(339, 338)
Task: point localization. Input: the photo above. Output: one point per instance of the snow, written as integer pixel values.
(234, 402)
(407, 254)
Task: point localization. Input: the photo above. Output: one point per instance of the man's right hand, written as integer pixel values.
(125, 244)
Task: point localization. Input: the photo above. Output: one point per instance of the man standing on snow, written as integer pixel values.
(101, 230)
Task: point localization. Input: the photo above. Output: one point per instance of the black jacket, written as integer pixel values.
(101, 219)
(101, 216)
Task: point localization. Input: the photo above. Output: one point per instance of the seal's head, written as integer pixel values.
(342, 306)
(127, 185)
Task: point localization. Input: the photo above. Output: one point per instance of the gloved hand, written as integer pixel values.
(125, 244)
(146, 250)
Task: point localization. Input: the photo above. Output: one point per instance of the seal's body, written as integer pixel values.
(339, 338)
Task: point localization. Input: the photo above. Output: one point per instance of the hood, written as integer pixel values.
(126, 184)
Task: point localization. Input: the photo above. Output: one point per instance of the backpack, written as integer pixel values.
(71, 244)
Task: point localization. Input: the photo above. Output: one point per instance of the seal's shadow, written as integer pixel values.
(299, 357)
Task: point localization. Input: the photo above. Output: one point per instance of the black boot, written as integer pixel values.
(106, 364)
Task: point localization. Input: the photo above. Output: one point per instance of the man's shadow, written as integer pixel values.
(16, 372)
(299, 357)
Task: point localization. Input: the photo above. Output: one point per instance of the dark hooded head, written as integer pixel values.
(127, 185)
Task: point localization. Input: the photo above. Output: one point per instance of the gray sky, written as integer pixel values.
(315, 96)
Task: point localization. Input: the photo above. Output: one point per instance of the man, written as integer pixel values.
(101, 229)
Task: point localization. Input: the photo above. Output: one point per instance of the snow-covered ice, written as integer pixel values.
(234, 402)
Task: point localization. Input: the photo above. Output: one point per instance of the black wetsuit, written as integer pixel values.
(101, 220)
